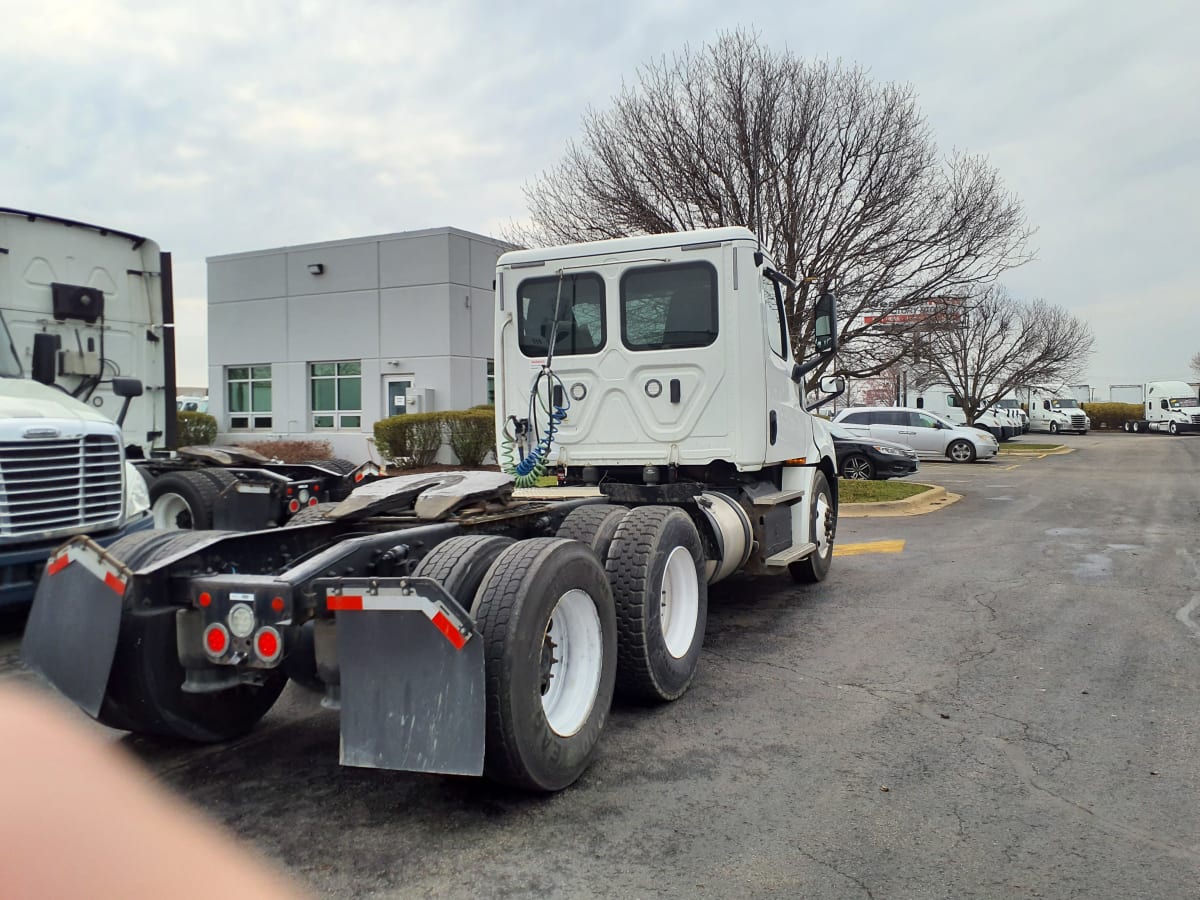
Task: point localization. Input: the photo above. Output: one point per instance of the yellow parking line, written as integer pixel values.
(869, 547)
(1010, 468)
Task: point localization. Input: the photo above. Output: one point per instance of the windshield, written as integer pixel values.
(10, 366)
(1006, 404)
(1064, 404)
(1181, 402)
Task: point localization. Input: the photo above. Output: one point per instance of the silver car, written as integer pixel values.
(932, 437)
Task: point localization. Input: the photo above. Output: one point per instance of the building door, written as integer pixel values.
(395, 391)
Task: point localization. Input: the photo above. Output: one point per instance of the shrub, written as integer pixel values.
(472, 434)
(289, 451)
(195, 428)
(411, 440)
(1112, 415)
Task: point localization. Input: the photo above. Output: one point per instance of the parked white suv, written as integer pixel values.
(931, 436)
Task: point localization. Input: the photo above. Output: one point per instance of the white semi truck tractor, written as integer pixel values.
(458, 624)
(1170, 407)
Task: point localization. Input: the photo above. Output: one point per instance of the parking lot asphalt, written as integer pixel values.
(996, 699)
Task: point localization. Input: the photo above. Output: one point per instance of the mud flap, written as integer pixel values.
(71, 634)
(412, 682)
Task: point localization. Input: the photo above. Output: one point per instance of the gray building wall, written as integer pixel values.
(416, 304)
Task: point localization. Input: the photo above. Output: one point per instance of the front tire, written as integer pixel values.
(822, 527)
(656, 567)
(858, 467)
(1054, 428)
(545, 613)
(961, 451)
(1173, 428)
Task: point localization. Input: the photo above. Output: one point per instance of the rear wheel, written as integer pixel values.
(545, 612)
(961, 451)
(822, 527)
(594, 525)
(185, 500)
(460, 563)
(310, 514)
(857, 466)
(145, 685)
(341, 466)
(656, 566)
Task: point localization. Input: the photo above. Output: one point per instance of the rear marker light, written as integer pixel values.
(294, 506)
(313, 502)
(267, 644)
(316, 487)
(216, 639)
(205, 599)
(277, 604)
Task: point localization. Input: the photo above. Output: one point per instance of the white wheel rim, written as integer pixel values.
(577, 647)
(821, 538)
(167, 510)
(679, 602)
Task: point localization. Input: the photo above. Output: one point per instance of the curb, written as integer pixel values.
(937, 497)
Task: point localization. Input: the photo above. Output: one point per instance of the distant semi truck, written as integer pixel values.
(1170, 407)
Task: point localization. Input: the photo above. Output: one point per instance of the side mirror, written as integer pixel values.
(825, 324)
(833, 384)
(126, 387)
(45, 357)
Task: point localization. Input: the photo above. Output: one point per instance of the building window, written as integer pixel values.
(491, 382)
(336, 392)
(249, 392)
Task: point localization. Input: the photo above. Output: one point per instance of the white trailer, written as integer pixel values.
(1170, 407)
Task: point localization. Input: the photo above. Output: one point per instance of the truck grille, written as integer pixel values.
(1195, 420)
(57, 485)
(1079, 421)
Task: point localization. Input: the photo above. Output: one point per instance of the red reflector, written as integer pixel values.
(268, 644)
(277, 604)
(289, 492)
(215, 640)
(344, 602)
(449, 631)
(115, 583)
(57, 565)
(316, 487)
(313, 502)
(205, 598)
(358, 476)
(294, 506)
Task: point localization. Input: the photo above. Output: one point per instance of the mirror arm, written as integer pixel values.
(821, 401)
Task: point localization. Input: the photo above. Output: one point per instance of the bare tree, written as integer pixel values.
(1195, 364)
(988, 343)
(838, 175)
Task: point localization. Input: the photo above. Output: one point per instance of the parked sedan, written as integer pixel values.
(931, 436)
(867, 458)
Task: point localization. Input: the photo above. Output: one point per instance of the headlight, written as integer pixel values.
(889, 451)
(137, 495)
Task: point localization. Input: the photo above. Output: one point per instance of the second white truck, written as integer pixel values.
(1170, 407)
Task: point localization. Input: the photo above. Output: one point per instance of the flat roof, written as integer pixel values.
(628, 244)
(368, 239)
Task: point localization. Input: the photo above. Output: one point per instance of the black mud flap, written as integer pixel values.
(412, 680)
(71, 635)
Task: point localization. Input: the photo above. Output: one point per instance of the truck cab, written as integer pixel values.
(1053, 409)
(63, 472)
(1171, 407)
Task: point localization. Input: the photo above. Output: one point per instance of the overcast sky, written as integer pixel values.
(221, 127)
